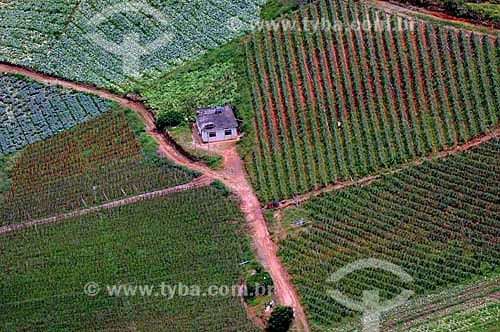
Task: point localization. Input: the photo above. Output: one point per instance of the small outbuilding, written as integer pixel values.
(216, 124)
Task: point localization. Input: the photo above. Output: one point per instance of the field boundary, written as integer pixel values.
(495, 133)
(201, 181)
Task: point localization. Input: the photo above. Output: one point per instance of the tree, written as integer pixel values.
(456, 7)
(169, 119)
(280, 320)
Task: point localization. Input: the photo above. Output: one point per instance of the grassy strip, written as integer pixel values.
(276, 8)
(183, 136)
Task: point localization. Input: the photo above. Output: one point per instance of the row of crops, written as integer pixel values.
(43, 270)
(29, 28)
(439, 221)
(482, 317)
(337, 104)
(465, 307)
(57, 43)
(95, 162)
(452, 305)
(31, 112)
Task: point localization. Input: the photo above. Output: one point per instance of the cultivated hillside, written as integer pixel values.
(333, 105)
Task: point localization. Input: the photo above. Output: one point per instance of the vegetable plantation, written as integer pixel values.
(43, 270)
(345, 100)
(459, 301)
(484, 317)
(31, 112)
(53, 36)
(96, 162)
(439, 221)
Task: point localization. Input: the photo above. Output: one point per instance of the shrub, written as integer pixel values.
(260, 284)
(169, 119)
(280, 320)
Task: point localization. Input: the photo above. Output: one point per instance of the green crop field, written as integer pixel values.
(332, 105)
(98, 161)
(439, 221)
(43, 270)
(53, 36)
(484, 317)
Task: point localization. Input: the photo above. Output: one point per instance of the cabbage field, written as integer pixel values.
(439, 221)
(43, 270)
(53, 36)
(31, 112)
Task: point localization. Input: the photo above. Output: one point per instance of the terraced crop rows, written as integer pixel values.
(439, 221)
(53, 37)
(96, 162)
(146, 243)
(31, 112)
(333, 105)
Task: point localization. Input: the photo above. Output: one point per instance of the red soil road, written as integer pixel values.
(233, 176)
(196, 183)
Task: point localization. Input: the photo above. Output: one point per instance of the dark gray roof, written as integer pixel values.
(222, 117)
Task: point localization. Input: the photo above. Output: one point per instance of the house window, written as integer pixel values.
(228, 132)
(212, 134)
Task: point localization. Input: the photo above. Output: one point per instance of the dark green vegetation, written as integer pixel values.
(275, 8)
(169, 119)
(43, 270)
(217, 78)
(325, 111)
(439, 221)
(99, 161)
(31, 111)
(259, 283)
(487, 12)
(280, 320)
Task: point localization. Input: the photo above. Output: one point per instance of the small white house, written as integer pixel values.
(216, 124)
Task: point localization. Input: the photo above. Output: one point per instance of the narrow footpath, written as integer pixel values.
(196, 183)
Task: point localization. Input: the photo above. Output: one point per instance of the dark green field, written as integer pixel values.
(43, 270)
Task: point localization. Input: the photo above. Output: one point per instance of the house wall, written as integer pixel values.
(219, 135)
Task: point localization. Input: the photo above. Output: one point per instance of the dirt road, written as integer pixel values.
(233, 176)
